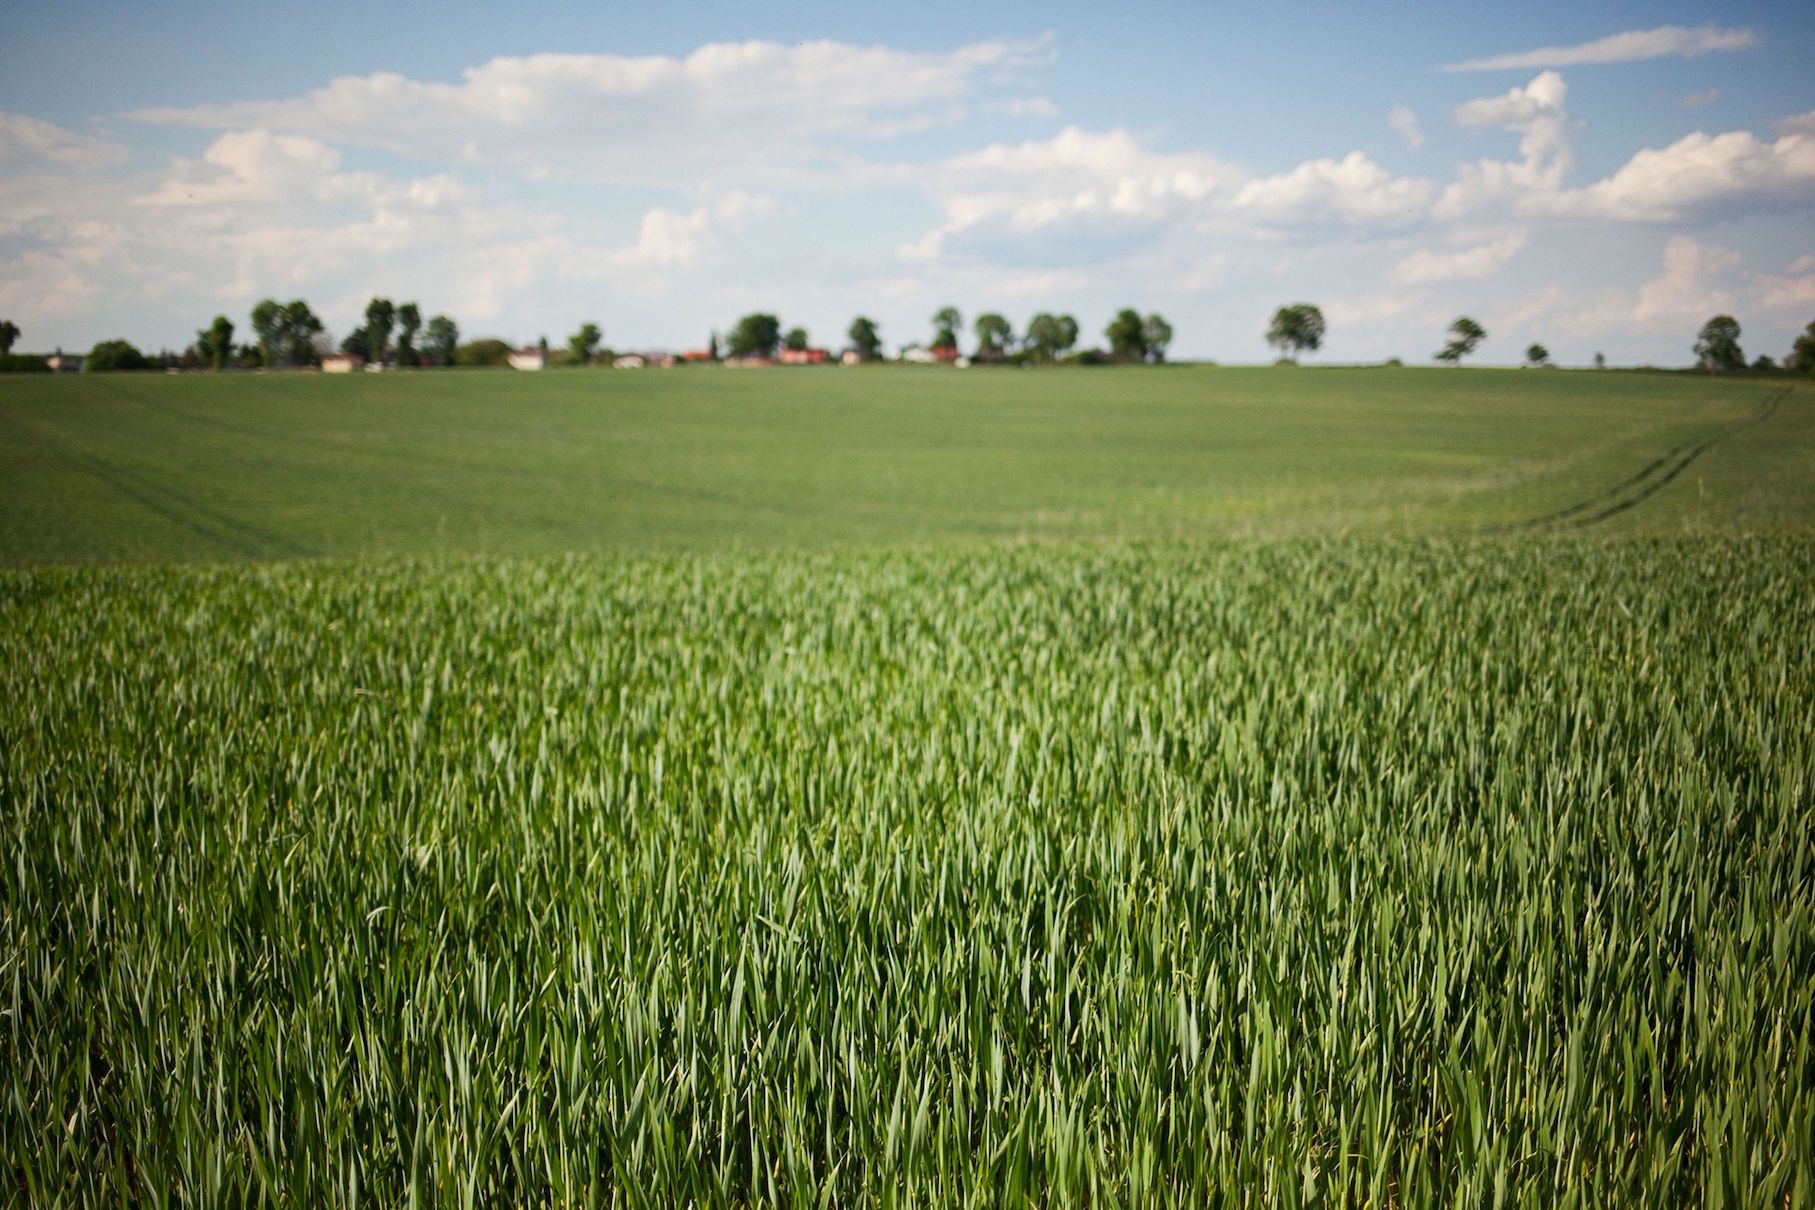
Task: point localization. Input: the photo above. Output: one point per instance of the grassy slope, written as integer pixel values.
(149, 468)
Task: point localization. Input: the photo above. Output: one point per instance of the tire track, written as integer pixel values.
(242, 538)
(1645, 483)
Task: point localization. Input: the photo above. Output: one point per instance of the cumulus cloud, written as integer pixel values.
(1352, 191)
(1703, 176)
(747, 110)
(24, 140)
(1470, 258)
(1666, 41)
(1079, 190)
(1403, 120)
(1539, 114)
(1687, 288)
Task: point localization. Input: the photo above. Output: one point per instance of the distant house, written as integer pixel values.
(531, 358)
(749, 363)
(341, 363)
(629, 361)
(850, 357)
(698, 355)
(803, 357)
(947, 353)
(64, 363)
(918, 355)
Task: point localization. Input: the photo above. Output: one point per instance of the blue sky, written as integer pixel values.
(1602, 178)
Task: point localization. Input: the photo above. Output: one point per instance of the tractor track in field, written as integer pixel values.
(1647, 481)
(185, 512)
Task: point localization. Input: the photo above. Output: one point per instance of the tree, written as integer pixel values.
(1050, 335)
(796, 340)
(1295, 328)
(712, 346)
(1600, 361)
(1717, 345)
(114, 355)
(358, 344)
(1763, 362)
(994, 334)
(583, 344)
(492, 352)
(1802, 354)
(409, 322)
(251, 357)
(1537, 355)
(1125, 336)
(1464, 335)
(946, 322)
(755, 335)
(268, 324)
(865, 338)
(381, 316)
(1156, 334)
(300, 328)
(9, 332)
(443, 339)
(215, 343)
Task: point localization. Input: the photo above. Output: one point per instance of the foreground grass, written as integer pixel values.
(1402, 874)
(155, 468)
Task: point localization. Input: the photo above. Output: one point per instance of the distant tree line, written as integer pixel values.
(291, 334)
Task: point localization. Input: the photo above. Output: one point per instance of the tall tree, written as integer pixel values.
(381, 316)
(9, 332)
(1295, 328)
(358, 343)
(796, 340)
(1717, 345)
(1537, 355)
(215, 342)
(1600, 360)
(1156, 334)
(582, 345)
(443, 339)
(755, 335)
(268, 325)
(994, 334)
(409, 322)
(1464, 335)
(1124, 336)
(865, 338)
(946, 322)
(300, 328)
(1802, 353)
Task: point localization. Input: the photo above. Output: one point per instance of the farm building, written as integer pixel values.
(341, 363)
(528, 359)
(803, 357)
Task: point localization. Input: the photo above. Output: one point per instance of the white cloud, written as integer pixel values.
(1666, 41)
(1688, 287)
(1703, 176)
(1403, 120)
(1352, 191)
(1791, 291)
(25, 139)
(1079, 192)
(1472, 259)
(1802, 123)
(726, 112)
(1539, 114)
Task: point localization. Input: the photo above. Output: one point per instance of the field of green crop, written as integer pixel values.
(807, 835)
(150, 468)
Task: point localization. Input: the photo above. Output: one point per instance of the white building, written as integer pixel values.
(527, 359)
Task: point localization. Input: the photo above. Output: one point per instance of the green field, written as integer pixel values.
(199, 468)
(1164, 787)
